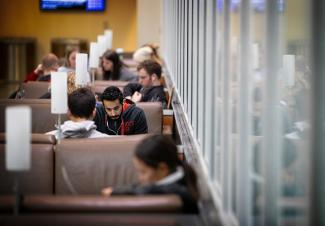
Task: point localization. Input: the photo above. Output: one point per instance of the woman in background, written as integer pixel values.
(69, 61)
(112, 68)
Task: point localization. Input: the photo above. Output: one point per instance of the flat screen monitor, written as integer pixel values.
(78, 5)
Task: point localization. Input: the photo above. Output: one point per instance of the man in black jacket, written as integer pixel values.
(118, 116)
(149, 88)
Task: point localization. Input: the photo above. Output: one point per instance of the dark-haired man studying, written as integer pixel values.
(119, 116)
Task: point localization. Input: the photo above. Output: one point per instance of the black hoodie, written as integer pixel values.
(132, 120)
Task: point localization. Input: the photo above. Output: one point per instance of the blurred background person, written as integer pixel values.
(148, 51)
(50, 63)
(112, 68)
(69, 63)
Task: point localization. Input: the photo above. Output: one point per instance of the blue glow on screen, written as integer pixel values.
(87, 5)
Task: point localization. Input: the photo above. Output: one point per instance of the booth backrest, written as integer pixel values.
(42, 119)
(100, 85)
(91, 203)
(34, 90)
(110, 83)
(85, 166)
(99, 89)
(154, 115)
(40, 178)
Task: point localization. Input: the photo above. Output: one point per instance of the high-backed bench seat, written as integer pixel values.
(78, 169)
(40, 178)
(85, 166)
(92, 203)
(34, 89)
(43, 121)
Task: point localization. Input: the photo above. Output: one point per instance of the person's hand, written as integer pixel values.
(136, 97)
(39, 69)
(107, 191)
(97, 98)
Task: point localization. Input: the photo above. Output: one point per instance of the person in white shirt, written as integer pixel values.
(81, 104)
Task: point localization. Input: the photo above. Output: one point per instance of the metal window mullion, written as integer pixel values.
(317, 198)
(201, 74)
(271, 132)
(179, 66)
(171, 27)
(195, 67)
(209, 82)
(183, 54)
(181, 49)
(217, 113)
(172, 37)
(244, 195)
(177, 43)
(185, 73)
(226, 180)
(190, 61)
(174, 50)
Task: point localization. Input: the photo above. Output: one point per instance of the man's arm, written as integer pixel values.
(34, 74)
(130, 89)
(100, 118)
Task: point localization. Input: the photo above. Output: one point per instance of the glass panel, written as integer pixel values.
(295, 83)
(201, 73)
(286, 94)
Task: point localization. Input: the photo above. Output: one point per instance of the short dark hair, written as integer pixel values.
(156, 149)
(112, 93)
(82, 103)
(151, 67)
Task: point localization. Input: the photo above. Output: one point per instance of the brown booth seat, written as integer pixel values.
(99, 89)
(100, 85)
(85, 166)
(43, 121)
(110, 83)
(34, 89)
(89, 165)
(94, 203)
(154, 115)
(40, 178)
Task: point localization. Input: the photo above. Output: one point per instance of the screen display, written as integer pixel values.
(86, 5)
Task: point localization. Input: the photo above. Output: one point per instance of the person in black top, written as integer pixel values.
(119, 116)
(149, 88)
(160, 171)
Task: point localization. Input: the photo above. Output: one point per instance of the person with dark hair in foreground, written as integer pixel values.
(119, 116)
(81, 104)
(160, 171)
